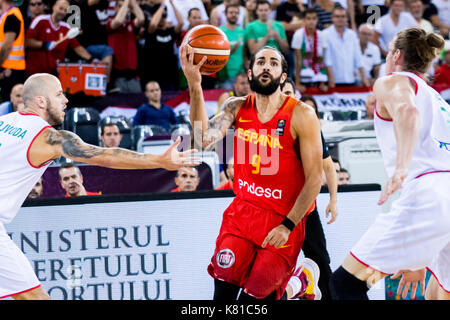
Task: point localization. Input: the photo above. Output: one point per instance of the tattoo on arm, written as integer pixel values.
(218, 126)
(72, 145)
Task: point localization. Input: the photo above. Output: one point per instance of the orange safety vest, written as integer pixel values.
(16, 58)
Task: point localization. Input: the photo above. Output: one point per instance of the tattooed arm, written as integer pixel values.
(216, 128)
(206, 132)
(52, 144)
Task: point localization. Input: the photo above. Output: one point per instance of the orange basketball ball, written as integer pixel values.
(208, 40)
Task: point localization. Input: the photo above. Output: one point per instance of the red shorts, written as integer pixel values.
(239, 257)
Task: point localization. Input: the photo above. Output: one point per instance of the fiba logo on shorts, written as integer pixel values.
(225, 258)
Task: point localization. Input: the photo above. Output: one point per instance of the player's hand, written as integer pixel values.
(393, 184)
(331, 208)
(410, 279)
(191, 70)
(277, 237)
(172, 159)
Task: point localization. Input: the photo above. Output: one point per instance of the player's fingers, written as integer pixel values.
(413, 290)
(333, 218)
(383, 197)
(191, 161)
(422, 287)
(266, 240)
(401, 285)
(385, 193)
(188, 152)
(191, 54)
(406, 289)
(176, 143)
(395, 276)
(200, 64)
(183, 54)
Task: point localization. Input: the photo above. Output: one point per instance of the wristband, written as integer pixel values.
(288, 223)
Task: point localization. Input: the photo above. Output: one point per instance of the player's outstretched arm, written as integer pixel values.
(52, 144)
(331, 176)
(206, 132)
(396, 98)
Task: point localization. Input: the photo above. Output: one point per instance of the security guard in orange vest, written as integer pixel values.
(12, 48)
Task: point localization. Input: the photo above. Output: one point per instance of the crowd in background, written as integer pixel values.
(327, 43)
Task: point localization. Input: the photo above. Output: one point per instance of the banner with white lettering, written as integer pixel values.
(151, 249)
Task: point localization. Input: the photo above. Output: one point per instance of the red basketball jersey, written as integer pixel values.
(267, 164)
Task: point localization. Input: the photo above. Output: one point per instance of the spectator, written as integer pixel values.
(122, 39)
(218, 14)
(41, 41)
(324, 10)
(35, 8)
(71, 181)
(241, 88)
(340, 39)
(343, 177)
(370, 106)
(16, 100)
(349, 5)
(442, 73)
(229, 173)
(94, 17)
(417, 8)
(161, 63)
(250, 11)
(187, 179)
(431, 13)
(236, 36)
(194, 19)
(183, 7)
(371, 56)
(289, 13)
(155, 112)
(264, 32)
(309, 46)
(110, 135)
(391, 23)
(12, 50)
(443, 13)
(37, 190)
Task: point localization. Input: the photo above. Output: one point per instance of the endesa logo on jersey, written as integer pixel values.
(260, 191)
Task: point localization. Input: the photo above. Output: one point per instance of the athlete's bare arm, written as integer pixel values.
(52, 144)
(304, 126)
(206, 132)
(396, 100)
(331, 177)
(217, 126)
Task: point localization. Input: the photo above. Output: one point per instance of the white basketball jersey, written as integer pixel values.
(17, 175)
(432, 152)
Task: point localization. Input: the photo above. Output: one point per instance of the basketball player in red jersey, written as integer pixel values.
(278, 167)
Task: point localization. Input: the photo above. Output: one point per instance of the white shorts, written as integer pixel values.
(16, 274)
(414, 234)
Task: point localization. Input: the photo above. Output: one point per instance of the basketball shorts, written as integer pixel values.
(16, 274)
(414, 234)
(239, 258)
